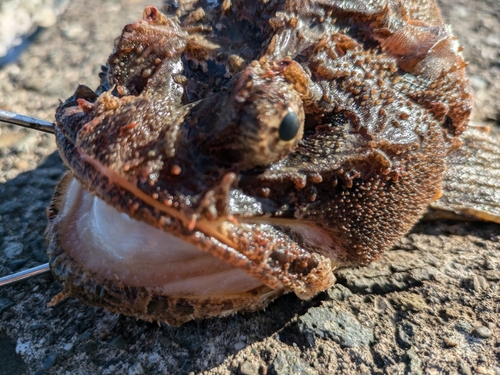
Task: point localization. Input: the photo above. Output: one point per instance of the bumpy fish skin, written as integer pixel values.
(212, 121)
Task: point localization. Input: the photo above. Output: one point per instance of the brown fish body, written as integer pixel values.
(251, 149)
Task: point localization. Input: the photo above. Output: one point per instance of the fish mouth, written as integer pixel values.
(218, 256)
(115, 246)
(109, 259)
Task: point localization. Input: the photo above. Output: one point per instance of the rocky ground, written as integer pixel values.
(20, 21)
(431, 305)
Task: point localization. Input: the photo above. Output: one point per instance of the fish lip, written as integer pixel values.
(145, 303)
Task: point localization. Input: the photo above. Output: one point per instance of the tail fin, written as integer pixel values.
(471, 185)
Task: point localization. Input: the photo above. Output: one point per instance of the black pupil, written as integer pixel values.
(289, 126)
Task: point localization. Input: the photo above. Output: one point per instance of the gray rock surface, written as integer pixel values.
(339, 326)
(289, 363)
(432, 302)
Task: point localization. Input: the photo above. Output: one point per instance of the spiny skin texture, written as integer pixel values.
(185, 134)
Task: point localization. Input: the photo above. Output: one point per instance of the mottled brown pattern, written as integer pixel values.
(189, 111)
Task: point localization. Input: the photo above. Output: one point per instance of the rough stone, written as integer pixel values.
(17, 264)
(50, 360)
(405, 333)
(249, 368)
(118, 342)
(5, 303)
(339, 292)
(409, 302)
(463, 326)
(482, 332)
(13, 249)
(136, 369)
(288, 363)
(239, 345)
(464, 368)
(415, 365)
(340, 326)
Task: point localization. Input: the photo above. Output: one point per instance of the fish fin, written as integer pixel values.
(471, 184)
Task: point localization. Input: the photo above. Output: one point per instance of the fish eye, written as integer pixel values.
(289, 126)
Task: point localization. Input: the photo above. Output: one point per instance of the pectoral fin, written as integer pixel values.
(471, 184)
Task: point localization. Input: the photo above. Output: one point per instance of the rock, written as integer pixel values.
(20, 296)
(35, 326)
(481, 370)
(85, 335)
(13, 249)
(404, 334)
(493, 40)
(478, 83)
(409, 302)
(5, 303)
(415, 365)
(239, 345)
(476, 283)
(72, 31)
(381, 305)
(463, 326)
(135, 369)
(450, 343)
(482, 332)
(449, 313)
(377, 279)
(340, 326)
(464, 367)
(11, 360)
(7, 316)
(118, 342)
(249, 368)
(288, 363)
(26, 143)
(50, 361)
(15, 265)
(339, 292)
